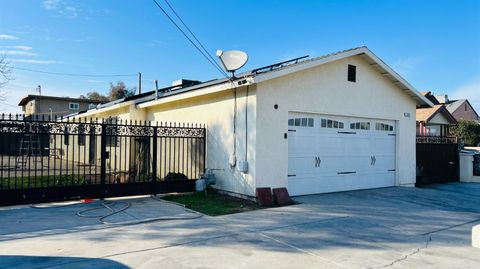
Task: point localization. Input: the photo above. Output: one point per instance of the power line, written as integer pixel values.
(194, 36)
(191, 41)
(72, 74)
(7, 104)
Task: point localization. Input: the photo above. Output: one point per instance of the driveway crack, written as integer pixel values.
(416, 251)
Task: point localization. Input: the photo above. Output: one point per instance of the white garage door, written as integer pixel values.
(333, 153)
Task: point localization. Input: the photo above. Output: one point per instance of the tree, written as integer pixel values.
(468, 131)
(120, 91)
(95, 96)
(5, 75)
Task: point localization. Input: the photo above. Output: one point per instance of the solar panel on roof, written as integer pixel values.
(277, 65)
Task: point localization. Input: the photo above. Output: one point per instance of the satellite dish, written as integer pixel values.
(232, 60)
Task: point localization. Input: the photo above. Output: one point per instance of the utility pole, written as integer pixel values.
(139, 83)
(37, 106)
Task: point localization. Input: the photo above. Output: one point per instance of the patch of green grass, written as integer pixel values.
(42, 181)
(212, 203)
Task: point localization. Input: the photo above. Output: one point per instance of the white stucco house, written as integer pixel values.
(339, 122)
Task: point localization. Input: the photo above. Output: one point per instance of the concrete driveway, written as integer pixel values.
(381, 228)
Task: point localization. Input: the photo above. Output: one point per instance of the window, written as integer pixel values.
(360, 125)
(326, 123)
(305, 122)
(74, 106)
(352, 73)
(383, 127)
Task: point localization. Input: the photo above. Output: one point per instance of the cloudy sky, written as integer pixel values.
(435, 45)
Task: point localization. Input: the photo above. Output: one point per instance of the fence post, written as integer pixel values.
(103, 154)
(204, 148)
(154, 154)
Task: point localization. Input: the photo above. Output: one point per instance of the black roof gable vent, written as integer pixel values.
(352, 73)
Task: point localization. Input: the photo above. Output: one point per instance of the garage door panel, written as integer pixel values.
(354, 144)
(384, 145)
(328, 144)
(384, 162)
(340, 159)
(311, 185)
(301, 143)
(299, 164)
(335, 183)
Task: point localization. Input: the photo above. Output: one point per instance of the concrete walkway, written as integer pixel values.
(382, 228)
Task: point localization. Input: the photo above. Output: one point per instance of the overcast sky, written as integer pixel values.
(435, 45)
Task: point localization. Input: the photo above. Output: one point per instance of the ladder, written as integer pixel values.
(29, 147)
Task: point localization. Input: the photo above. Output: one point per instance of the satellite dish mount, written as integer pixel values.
(232, 60)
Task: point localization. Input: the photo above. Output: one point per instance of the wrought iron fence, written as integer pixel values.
(437, 160)
(106, 156)
(476, 165)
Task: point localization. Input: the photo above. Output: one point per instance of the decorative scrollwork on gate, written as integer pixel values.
(12, 127)
(181, 132)
(111, 128)
(129, 130)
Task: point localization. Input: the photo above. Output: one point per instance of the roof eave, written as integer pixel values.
(377, 63)
(196, 91)
(105, 109)
(398, 80)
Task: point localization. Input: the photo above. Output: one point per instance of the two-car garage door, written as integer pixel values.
(334, 153)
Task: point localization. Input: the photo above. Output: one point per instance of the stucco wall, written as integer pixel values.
(325, 90)
(216, 111)
(80, 153)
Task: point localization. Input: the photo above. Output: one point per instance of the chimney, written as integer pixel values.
(442, 99)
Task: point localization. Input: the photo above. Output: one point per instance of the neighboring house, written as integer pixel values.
(54, 106)
(338, 122)
(433, 121)
(460, 109)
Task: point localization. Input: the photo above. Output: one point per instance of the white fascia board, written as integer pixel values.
(196, 92)
(363, 50)
(423, 100)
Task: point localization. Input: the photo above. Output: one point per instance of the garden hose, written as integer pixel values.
(195, 215)
(110, 207)
(105, 205)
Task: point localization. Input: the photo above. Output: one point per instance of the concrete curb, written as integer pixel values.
(476, 236)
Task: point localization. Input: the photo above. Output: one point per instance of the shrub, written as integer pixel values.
(468, 131)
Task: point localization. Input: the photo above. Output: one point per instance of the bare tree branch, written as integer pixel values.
(5, 71)
(5, 75)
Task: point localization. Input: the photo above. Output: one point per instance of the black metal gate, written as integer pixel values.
(43, 159)
(437, 160)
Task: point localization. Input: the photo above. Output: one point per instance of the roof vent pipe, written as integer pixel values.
(156, 89)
